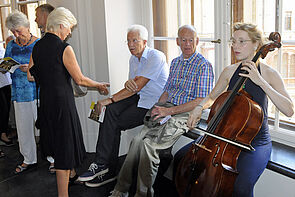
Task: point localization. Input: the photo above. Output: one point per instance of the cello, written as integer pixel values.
(209, 167)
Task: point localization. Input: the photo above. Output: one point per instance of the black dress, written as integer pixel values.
(60, 129)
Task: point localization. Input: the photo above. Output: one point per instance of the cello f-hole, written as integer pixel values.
(215, 164)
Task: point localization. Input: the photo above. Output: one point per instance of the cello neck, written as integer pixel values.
(240, 82)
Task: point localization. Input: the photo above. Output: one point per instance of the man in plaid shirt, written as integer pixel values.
(190, 80)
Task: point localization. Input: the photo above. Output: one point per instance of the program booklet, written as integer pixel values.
(8, 64)
(93, 115)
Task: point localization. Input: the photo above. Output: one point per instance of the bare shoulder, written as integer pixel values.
(69, 54)
(68, 50)
(268, 73)
(229, 71)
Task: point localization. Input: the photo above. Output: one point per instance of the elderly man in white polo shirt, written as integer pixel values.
(148, 72)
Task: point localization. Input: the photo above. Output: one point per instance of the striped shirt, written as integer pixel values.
(189, 79)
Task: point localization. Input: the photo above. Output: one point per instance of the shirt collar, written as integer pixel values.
(192, 57)
(145, 52)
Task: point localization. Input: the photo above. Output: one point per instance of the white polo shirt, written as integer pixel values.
(152, 65)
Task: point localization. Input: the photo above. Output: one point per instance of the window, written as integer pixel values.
(168, 15)
(26, 6)
(288, 20)
(267, 15)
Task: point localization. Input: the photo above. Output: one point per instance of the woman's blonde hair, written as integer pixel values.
(17, 19)
(254, 33)
(60, 16)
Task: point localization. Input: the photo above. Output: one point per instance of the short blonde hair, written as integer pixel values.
(17, 19)
(254, 33)
(60, 16)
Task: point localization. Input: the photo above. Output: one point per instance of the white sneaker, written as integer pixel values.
(116, 193)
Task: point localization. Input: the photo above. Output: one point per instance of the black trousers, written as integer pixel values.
(5, 98)
(119, 116)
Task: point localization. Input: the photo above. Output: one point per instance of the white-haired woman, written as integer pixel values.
(54, 65)
(23, 92)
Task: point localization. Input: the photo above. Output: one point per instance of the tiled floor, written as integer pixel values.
(38, 182)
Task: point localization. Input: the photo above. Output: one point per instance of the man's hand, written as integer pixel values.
(24, 67)
(102, 88)
(100, 103)
(131, 85)
(194, 117)
(158, 112)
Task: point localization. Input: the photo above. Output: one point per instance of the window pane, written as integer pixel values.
(288, 61)
(164, 45)
(204, 18)
(165, 18)
(207, 49)
(173, 11)
(4, 13)
(31, 16)
(262, 13)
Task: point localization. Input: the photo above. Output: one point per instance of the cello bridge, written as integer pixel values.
(203, 147)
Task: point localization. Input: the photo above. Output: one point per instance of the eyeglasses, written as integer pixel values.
(134, 41)
(239, 42)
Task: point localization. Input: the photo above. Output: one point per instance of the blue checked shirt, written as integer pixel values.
(189, 79)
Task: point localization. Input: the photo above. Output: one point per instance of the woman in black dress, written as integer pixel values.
(54, 65)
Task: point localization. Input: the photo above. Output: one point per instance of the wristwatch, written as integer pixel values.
(111, 97)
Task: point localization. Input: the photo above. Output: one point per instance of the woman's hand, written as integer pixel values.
(24, 67)
(158, 112)
(194, 117)
(103, 88)
(253, 72)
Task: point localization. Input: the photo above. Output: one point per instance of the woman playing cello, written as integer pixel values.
(264, 82)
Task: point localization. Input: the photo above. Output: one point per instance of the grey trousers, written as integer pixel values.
(143, 155)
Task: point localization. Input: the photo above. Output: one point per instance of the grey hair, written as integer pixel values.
(16, 19)
(189, 27)
(60, 16)
(142, 31)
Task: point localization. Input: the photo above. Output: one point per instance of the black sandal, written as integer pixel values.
(23, 168)
(51, 169)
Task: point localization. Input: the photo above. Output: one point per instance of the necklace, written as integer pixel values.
(24, 45)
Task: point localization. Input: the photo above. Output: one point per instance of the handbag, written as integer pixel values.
(78, 91)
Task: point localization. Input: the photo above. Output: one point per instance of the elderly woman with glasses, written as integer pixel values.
(54, 64)
(23, 92)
